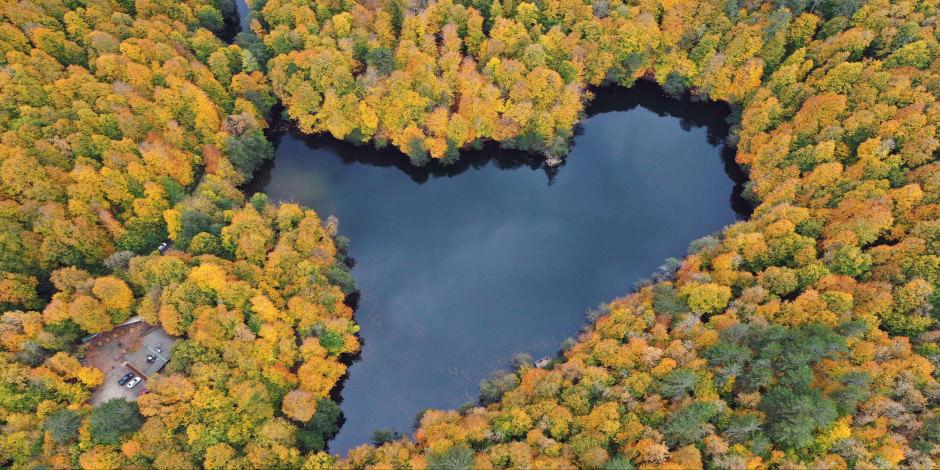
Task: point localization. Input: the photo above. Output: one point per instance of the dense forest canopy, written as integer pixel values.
(805, 336)
(125, 124)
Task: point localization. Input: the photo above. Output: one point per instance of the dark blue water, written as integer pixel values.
(244, 15)
(461, 267)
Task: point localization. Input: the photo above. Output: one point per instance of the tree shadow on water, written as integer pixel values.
(692, 114)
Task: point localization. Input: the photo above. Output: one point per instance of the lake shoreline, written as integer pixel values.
(645, 93)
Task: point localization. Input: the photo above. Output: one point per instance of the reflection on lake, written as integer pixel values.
(460, 267)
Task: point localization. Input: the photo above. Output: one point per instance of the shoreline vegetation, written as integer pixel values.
(804, 336)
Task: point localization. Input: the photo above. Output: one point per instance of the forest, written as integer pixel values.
(125, 124)
(804, 337)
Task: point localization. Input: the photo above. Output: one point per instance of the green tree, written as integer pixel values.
(113, 419)
(619, 463)
(248, 150)
(678, 383)
(322, 427)
(689, 425)
(455, 458)
(498, 383)
(384, 435)
(62, 425)
(333, 341)
(142, 234)
(794, 414)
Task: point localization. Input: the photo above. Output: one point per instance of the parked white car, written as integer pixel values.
(133, 382)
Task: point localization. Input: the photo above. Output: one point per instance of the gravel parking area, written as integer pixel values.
(111, 389)
(136, 348)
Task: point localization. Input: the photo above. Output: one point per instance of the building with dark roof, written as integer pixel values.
(150, 353)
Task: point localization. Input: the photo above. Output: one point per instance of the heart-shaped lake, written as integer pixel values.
(461, 267)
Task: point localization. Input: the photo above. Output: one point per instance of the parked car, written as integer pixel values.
(127, 376)
(133, 382)
(151, 358)
(163, 247)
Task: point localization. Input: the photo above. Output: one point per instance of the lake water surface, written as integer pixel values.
(461, 267)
